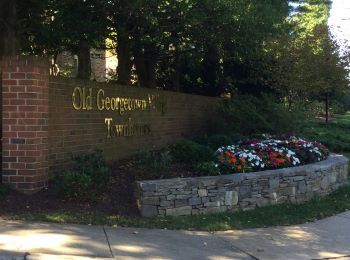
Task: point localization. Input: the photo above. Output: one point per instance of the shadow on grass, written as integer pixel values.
(284, 214)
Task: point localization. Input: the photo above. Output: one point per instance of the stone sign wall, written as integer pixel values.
(204, 195)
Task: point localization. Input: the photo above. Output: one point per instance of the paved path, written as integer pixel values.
(324, 239)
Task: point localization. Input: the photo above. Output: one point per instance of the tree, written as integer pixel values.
(308, 64)
(21, 25)
(196, 46)
(9, 40)
(192, 45)
(327, 69)
(287, 73)
(82, 26)
(247, 58)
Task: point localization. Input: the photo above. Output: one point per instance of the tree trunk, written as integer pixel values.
(210, 68)
(84, 60)
(290, 101)
(54, 67)
(175, 77)
(145, 61)
(140, 68)
(151, 69)
(124, 59)
(9, 43)
(327, 107)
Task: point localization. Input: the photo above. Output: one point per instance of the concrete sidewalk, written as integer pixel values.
(324, 239)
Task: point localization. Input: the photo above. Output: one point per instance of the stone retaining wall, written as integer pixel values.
(204, 195)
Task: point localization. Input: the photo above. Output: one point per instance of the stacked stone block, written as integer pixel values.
(204, 195)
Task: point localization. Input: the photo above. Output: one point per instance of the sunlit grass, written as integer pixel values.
(335, 135)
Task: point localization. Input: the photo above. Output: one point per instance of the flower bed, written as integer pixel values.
(249, 174)
(270, 153)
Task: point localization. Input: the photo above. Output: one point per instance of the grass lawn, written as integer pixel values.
(335, 135)
(286, 214)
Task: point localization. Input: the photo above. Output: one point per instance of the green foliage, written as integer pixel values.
(154, 164)
(67, 70)
(201, 139)
(336, 107)
(4, 189)
(207, 169)
(76, 185)
(308, 15)
(310, 68)
(253, 115)
(87, 179)
(206, 47)
(190, 152)
(236, 137)
(197, 46)
(335, 135)
(217, 141)
(74, 21)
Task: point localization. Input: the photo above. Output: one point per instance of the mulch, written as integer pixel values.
(118, 199)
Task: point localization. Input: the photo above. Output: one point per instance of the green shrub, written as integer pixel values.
(86, 180)
(236, 137)
(202, 139)
(217, 141)
(190, 152)
(207, 169)
(4, 190)
(250, 115)
(94, 165)
(76, 185)
(154, 164)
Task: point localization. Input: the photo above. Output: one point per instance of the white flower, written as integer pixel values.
(296, 160)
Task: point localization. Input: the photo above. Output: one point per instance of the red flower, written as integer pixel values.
(280, 160)
(232, 159)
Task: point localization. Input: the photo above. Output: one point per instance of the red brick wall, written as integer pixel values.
(73, 132)
(41, 130)
(25, 122)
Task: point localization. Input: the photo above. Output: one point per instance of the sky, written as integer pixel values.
(339, 22)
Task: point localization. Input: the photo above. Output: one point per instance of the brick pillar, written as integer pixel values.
(25, 107)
